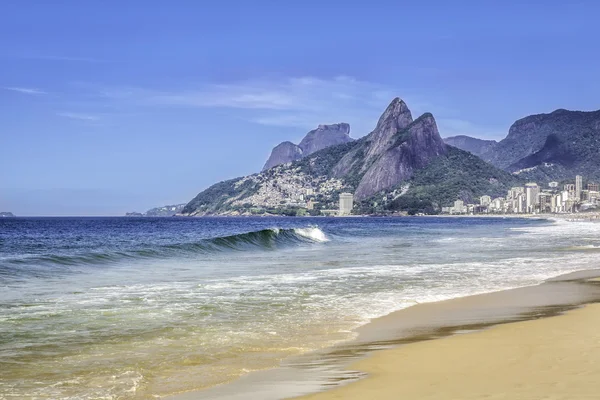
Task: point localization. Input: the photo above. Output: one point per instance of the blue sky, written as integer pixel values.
(112, 106)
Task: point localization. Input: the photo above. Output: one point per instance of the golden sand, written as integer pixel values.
(550, 358)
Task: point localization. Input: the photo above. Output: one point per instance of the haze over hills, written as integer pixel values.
(471, 144)
(403, 164)
(322, 137)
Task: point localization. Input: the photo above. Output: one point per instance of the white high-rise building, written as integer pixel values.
(578, 187)
(531, 196)
(521, 203)
(346, 203)
(459, 207)
(485, 200)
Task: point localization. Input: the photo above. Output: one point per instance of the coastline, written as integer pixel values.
(536, 358)
(363, 366)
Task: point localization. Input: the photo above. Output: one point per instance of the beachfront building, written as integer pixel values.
(346, 203)
(544, 202)
(514, 192)
(532, 199)
(578, 187)
(497, 205)
(531, 196)
(459, 207)
(570, 188)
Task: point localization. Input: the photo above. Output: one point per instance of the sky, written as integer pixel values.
(112, 106)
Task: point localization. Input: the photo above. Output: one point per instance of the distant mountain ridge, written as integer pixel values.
(402, 165)
(552, 146)
(6, 214)
(471, 144)
(164, 211)
(318, 139)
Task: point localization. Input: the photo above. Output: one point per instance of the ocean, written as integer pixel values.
(133, 308)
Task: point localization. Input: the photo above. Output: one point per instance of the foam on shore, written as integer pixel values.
(338, 371)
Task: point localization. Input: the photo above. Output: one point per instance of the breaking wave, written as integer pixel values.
(265, 239)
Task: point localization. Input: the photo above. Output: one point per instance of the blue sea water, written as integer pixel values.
(136, 307)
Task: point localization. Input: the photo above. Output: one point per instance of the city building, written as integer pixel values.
(578, 187)
(532, 199)
(459, 207)
(346, 203)
(531, 196)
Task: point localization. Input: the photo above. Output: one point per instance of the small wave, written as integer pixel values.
(588, 247)
(265, 239)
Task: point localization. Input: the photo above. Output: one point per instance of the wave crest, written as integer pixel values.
(264, 239)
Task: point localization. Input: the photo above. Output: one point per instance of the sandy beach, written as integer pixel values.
(543, 358)
(536, 342)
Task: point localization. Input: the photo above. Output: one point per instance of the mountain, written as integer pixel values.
(551, 146)
(165, 211)
(471, 144)
(322, 137)
(283, 153)
(391, 153)
(6, 214)
(325, 136)
(402, 165)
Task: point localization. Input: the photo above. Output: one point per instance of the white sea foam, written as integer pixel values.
(312, 233)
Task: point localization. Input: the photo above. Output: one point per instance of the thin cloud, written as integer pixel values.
(299, 102)
(79, 116)
(25, 90)
(302, 102)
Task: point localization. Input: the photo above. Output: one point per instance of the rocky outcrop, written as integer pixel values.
(406, 151)
(396, 117)
(318, 139)
(283, 153)
(6, 214)
(325, 136)
(471, 144)
(389, 155)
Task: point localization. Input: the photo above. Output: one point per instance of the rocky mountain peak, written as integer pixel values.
(341, 127)
(396, 115)
(317, 139)
(325, 136)
(408, 149)
(283, 153)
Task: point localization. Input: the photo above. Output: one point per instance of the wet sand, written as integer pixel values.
(511, 351)
(539, 358)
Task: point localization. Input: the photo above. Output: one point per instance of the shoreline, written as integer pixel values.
(326, 373)
(549, 355)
